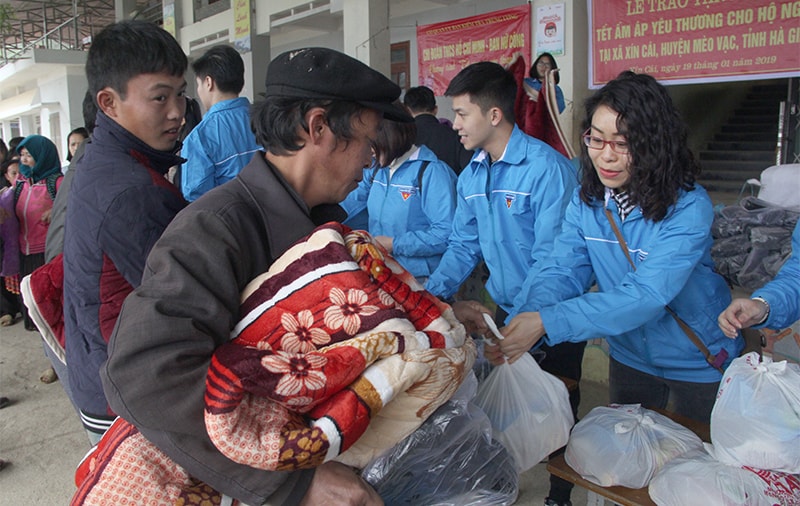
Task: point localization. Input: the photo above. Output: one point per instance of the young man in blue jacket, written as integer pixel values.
(510, 204)
(222, 143)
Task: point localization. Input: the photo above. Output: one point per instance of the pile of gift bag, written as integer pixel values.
(471, 451)
(753, 458)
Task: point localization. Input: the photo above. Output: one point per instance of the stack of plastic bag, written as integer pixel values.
(752, 240)
(451, 460)
(756, 417)
(529, 410)
(625, 444)
(697, 479)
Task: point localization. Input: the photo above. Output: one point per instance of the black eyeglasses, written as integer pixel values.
(594, 142)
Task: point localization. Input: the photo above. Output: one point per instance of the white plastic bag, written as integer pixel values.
(697, 479)
(756, 417)
(529, 409)
(625, 444)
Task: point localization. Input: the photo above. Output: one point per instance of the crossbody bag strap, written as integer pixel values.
(716, 361)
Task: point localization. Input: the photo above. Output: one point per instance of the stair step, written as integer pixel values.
(722, 186)
(754, 119)
(746, 137)
(742, 146)
(741, 127)
(751, 156)
(735, 165)
(764, 100)
(729, 175)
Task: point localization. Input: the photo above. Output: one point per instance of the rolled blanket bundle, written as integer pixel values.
(330, 336)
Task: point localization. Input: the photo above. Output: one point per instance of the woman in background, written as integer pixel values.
(410, 198)
(34, 192)
(536, 76)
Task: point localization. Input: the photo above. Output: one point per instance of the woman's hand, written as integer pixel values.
(521, 334)
(740, 314)
(46, 216)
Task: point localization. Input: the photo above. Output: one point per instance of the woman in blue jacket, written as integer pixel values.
(639, 174)
(410, 199)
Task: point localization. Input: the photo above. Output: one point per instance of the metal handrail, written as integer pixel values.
(10, 54)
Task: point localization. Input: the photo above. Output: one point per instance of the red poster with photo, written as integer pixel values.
(446, 48)
(694, 41)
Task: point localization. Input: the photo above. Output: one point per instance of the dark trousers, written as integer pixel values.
(28, 264)
(9, 302)
(627, 385)
(566, 360)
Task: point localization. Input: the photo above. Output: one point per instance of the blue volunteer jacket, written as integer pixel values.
(217, 148)
(418, 221)
(508, 214)
(673, 267)
(783, 292)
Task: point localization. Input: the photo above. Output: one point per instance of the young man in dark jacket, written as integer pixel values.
(317, 124)
(119, 202)
(440, 138)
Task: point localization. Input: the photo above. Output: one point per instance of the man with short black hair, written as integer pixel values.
(317, 124)
(441, 139)
(119, 201)
(222, 143)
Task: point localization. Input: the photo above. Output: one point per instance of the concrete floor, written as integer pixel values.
(41, 437)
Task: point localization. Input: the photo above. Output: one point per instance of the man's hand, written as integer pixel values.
(741, 313)
(385, 241)
(337, 484)
(470, 313)
(521, 335)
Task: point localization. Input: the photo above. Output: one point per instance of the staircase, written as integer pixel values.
(744, 146)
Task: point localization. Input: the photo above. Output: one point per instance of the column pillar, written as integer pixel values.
(255, 66)
(366, 33)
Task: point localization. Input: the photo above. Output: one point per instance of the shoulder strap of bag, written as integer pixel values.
(419, 174)
(715, 361)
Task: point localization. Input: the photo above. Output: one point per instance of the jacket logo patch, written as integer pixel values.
(407, 191)
(510, 198)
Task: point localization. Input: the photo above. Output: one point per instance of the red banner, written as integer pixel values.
(446, 48)
(692, 41)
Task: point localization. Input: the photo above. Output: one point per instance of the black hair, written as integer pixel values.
(276, 121)
(5, 183)
(224, 65)
(661, 163)
(192, 117)
(126, 49)
(89, 110)
(3, 151)
(535, 75)
(488, 85)
(81, 131)
(13, 143)
(420, 99)
(393, 139)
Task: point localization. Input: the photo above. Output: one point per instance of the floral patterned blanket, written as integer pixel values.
(339, 354)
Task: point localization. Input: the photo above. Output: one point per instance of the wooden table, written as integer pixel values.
(620, 495)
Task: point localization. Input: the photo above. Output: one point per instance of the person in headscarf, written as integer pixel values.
(36, 187)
